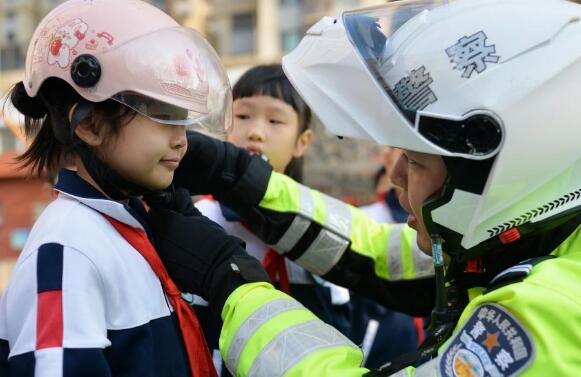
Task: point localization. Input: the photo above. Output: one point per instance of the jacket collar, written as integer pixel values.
(71, 185)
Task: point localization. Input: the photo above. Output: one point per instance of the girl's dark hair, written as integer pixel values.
(270, 80)
(46, 121)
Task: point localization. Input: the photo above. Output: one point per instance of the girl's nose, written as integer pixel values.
(179, 139)
(256, 131)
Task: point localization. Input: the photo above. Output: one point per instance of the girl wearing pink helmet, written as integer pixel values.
(110, 86)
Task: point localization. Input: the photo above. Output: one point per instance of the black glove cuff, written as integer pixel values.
(238, 270)
(250, 188)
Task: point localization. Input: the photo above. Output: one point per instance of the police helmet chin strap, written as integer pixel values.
(112, 183)
(445, 314)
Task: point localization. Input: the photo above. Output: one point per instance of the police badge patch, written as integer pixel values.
(491, 343)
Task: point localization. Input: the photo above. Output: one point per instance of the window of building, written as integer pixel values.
(10, 22)
(290, 39)
(7, 140)
(161, 4)
(11, 57)
(242, 37)
(290, 3)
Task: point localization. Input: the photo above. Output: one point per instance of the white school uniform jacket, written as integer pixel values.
(83, 302)
(254, 246)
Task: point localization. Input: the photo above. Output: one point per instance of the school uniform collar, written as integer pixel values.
(71, 185)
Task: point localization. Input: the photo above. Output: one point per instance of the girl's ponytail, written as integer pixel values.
(31, 107)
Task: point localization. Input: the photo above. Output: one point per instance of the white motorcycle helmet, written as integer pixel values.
(492, 86)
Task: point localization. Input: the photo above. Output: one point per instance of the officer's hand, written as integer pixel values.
(210, 166)
(198, 254)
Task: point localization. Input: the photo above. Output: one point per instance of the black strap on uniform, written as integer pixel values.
(516, 273)
(442, 325)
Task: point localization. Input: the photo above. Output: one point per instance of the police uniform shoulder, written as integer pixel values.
(515, 273)
(491, 342)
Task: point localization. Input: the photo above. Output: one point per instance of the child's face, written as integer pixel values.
(146, 152)
(269, 126)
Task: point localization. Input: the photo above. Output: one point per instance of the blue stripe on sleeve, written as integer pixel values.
(86, 362)
(4, 351)
(154, 348)
(22, 365)
(49, 267)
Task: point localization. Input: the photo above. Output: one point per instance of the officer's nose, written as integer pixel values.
(398, 174)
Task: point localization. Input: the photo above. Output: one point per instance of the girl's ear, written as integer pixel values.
(303, 142)
(87, 132)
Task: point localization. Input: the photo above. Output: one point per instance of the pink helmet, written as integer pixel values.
(132, 52)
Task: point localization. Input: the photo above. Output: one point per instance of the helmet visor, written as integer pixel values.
(161, 112)
(172, 76)
(374, 34)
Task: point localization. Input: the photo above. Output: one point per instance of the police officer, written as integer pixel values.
(480, 95)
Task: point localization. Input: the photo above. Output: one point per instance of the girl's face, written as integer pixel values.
(419, 175)
(269, 126)
(144, 152)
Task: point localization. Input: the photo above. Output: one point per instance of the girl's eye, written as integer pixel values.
(276, 121)
(242, 116)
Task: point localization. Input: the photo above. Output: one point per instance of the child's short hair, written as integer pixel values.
(46, 121)
(270, 80)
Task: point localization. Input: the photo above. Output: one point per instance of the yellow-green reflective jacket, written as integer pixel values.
(340, 243)
(529, 328)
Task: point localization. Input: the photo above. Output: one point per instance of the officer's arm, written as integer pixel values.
(335, 240)
(267, 333)
(323, 235)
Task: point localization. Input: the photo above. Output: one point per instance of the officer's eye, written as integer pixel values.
(242, 116)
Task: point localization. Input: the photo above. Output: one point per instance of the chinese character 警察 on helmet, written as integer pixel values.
(491, 86)
(136, 57)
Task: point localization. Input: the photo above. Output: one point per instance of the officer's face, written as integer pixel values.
(419, 175)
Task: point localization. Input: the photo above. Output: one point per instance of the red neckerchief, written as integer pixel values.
(196, 347)
(275, 264)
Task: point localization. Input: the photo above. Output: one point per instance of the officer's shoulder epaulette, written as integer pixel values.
(516, 273)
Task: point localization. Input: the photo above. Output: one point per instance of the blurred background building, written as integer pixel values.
(244, 33)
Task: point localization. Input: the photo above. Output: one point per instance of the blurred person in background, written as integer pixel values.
(386, 208)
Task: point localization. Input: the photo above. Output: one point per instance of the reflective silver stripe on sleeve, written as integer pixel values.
(300, 223)
(252, 323)
(292, 235)
(323, 253)
(394, 262)
(338, 216)
(293, 344)
(306, 202)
